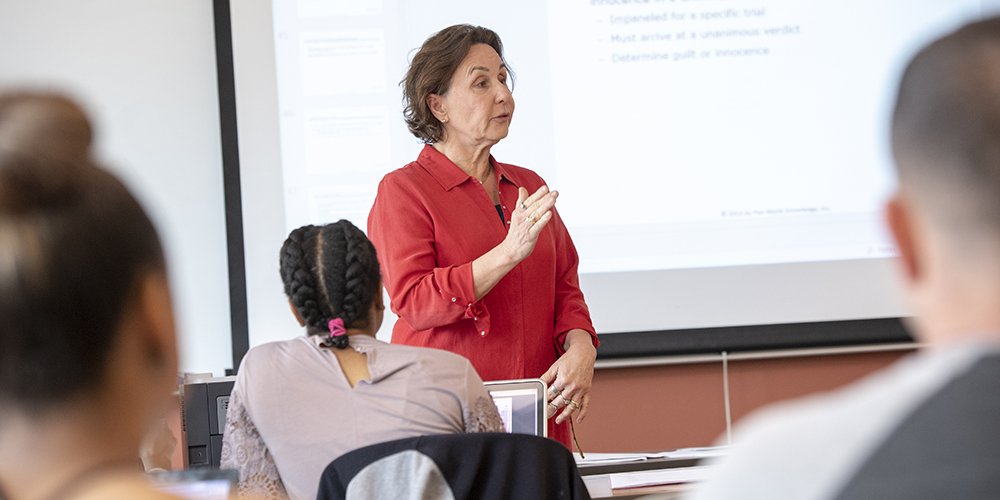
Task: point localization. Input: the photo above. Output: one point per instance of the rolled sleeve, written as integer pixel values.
(457, 294)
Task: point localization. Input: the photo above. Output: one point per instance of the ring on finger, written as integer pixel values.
(574, 404)
(523, 206)
(531, 218)
(553, 405)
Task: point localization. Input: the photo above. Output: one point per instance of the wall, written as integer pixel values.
(676, 406)
(145, 71)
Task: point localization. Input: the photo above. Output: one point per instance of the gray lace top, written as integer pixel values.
(292, 410)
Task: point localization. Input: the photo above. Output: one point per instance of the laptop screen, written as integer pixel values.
(521, 404)
(196, 484)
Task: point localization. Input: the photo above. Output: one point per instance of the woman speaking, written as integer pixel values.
(474, 256)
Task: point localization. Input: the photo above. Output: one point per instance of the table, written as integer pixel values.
(597, 479)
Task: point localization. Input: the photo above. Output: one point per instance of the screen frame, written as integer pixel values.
(753, 338)
(536, 384)
(232, 196)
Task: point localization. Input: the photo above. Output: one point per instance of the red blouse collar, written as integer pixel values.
(448, 174)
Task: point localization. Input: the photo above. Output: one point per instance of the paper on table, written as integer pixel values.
(658, 477)
(621, 458)
(702, 452)
(610, 458)
(598, 486)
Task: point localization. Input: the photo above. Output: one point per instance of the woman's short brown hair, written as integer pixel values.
(431, 70)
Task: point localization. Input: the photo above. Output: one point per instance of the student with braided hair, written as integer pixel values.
(299, 404)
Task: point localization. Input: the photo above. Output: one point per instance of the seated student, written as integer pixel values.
(928, 427)
(87, 347)
(299, 404)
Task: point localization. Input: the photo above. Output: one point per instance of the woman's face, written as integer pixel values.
(478, 107)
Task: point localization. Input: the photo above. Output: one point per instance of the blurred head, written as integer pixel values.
(330, 272)
(946, 143)
(44, 125)
(81, 276)
(458, 85)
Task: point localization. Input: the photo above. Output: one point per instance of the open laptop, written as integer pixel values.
(521, 404)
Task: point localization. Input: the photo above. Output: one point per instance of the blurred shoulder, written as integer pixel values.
(808, 448)
(133, 488)
(125, 489)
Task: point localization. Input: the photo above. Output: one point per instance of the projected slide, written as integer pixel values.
(714, 133)
(681, 134)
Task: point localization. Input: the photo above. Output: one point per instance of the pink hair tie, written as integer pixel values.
(336, 326)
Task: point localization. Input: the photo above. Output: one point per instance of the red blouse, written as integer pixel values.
(429, 222)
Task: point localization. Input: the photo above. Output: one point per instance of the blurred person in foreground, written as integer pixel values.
(87, 344)
(929, 426)
(52, 127)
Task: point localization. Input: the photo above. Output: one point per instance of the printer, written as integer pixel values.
(204, 403)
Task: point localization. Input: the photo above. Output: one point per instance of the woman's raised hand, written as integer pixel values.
(529, 216)
(527, 219)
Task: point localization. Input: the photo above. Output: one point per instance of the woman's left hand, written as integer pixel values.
(569, 378)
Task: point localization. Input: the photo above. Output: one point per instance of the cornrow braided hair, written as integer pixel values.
(298, 276)
(330, 272)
